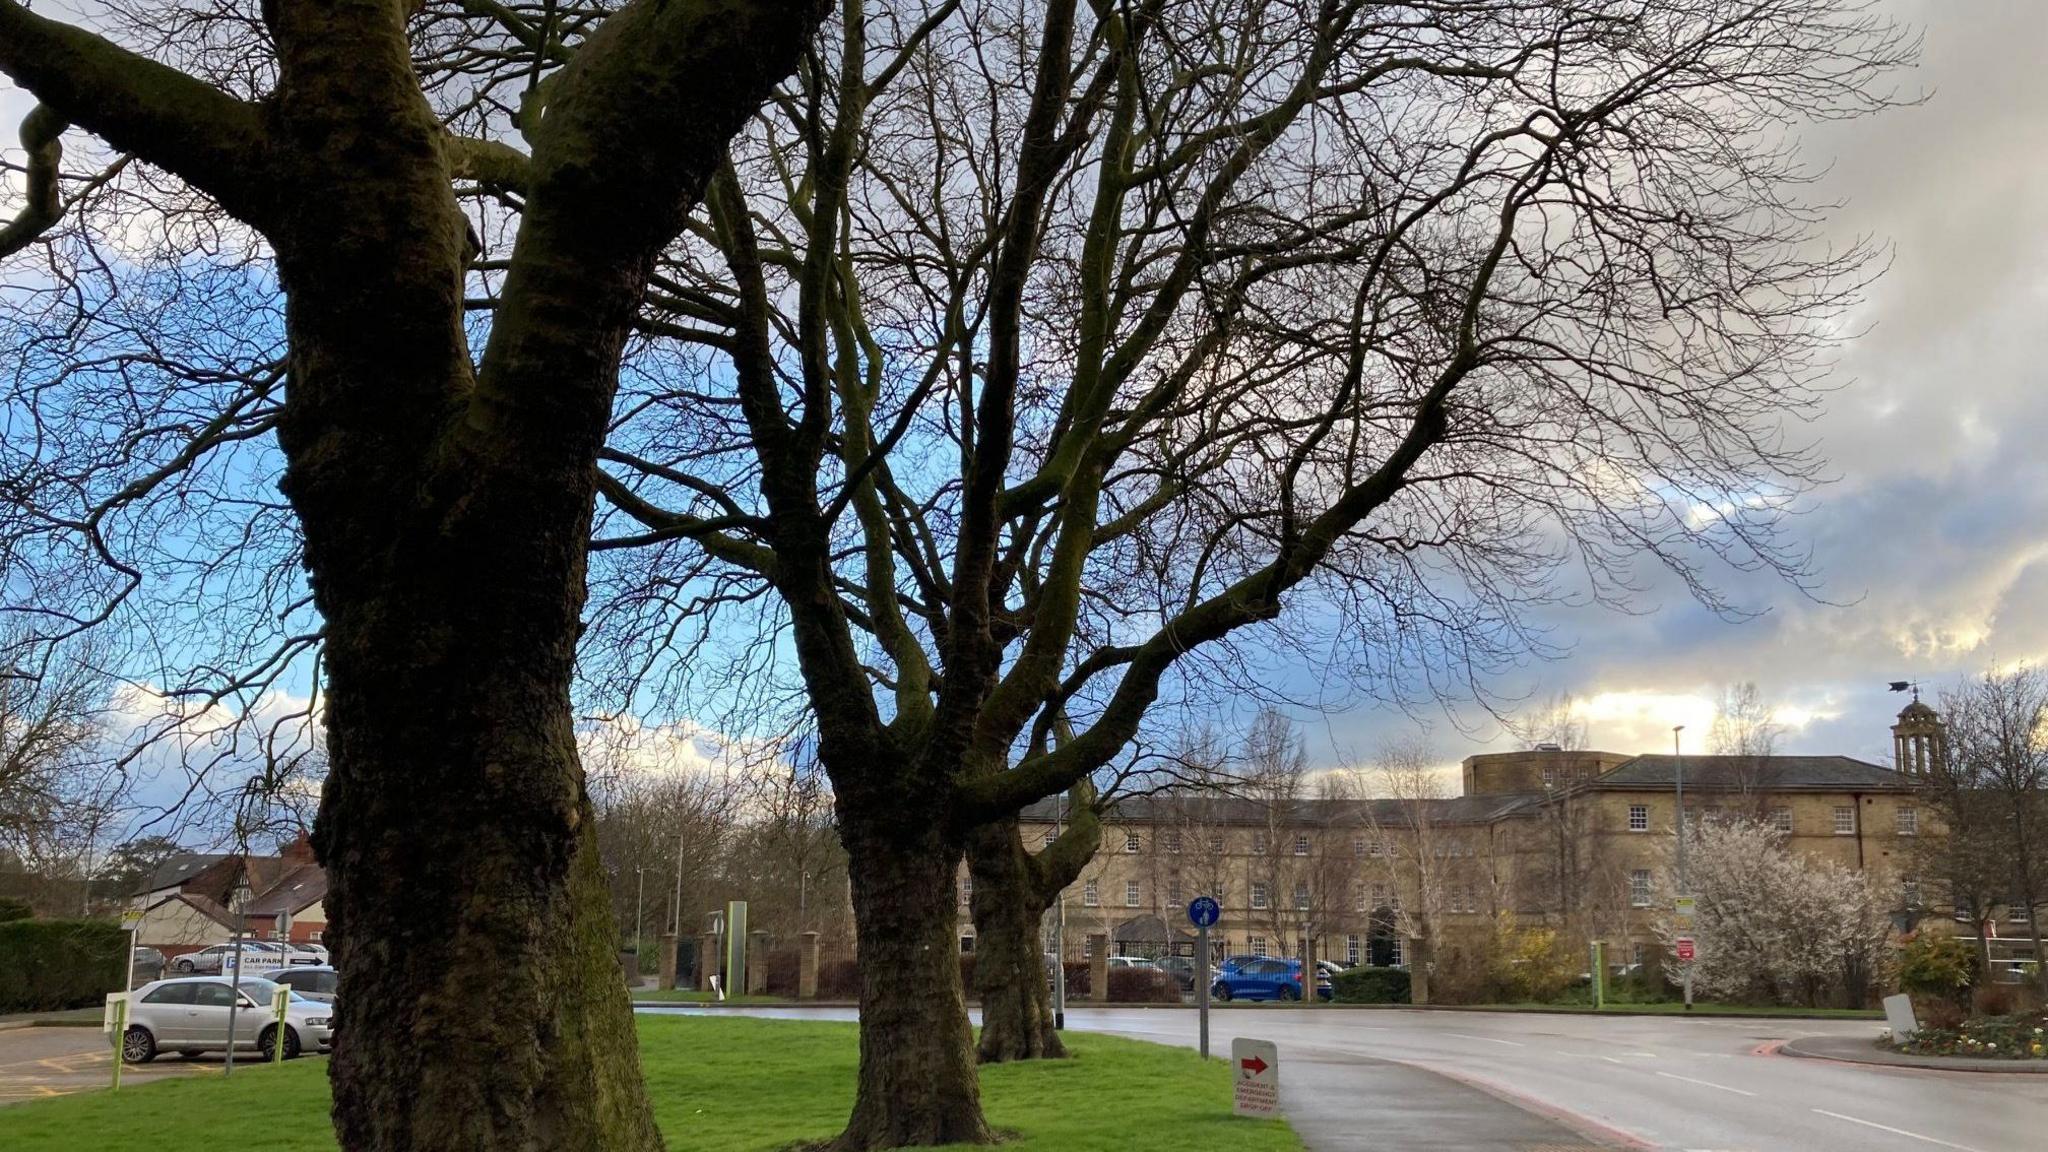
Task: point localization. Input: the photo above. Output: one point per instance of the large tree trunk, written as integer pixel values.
(1009, 967)
(1012, 889)
(917, 1081)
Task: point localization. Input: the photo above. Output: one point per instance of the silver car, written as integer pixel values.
(190, 1015)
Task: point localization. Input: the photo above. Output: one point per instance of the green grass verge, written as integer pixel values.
(692, 996)
(718, 1085)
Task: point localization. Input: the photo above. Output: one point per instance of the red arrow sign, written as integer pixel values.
(1253, 1065)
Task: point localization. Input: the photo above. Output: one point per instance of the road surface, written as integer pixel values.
(1418, 1080)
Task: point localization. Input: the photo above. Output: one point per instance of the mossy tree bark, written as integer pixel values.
(1013, 887)
(445, 504)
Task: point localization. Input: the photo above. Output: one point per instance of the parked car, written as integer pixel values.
(313, 981)
(1131, 962)
(189, 1015)
(317, 951)
(1265, 978)
(145, 965)
(1181, 968)
(211, 960)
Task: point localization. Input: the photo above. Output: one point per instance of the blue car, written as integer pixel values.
(1263, 978)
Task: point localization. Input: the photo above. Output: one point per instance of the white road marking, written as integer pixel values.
(1895, 1131)
(1585, 1055)
(1706, 1083)
(1488, 1039)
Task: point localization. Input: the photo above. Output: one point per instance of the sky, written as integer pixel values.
(1932, 542)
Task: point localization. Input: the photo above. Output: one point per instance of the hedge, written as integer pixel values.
(48, 965)
(1142, 986)
(1372, 986)
(12, 909)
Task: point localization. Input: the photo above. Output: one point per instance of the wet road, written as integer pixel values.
(1426, 1080)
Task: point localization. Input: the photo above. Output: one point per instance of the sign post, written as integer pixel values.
(1256, 1070)
(280, 1000)
(131, 919)
(115, 1021)
(1203, 912)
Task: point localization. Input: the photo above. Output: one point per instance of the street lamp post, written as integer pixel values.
(639, 902)
(1678, 782)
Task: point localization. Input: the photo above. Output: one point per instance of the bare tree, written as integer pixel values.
(1408, 851)
(439, 498)
(1998, 752)
(1025, 363)
(58, 779)
(1746, 736)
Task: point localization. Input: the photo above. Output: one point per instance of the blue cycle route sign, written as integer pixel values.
(1202, 912)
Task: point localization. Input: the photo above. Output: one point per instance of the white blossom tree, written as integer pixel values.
(1770, 925)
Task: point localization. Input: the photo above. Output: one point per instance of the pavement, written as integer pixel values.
(1516, 1082)
(37, 1063)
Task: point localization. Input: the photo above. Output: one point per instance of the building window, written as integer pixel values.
(1549, 778)
(1087, 947)
(1258, 895)
(1638, 954)
(2018, 912)
(1373, 848)
(1173, 890)
(1130, 893)
(1358, 846)
(1051, 834)
(1301, 845)
(1351, 949)
(1781, 819)
(1216, 845)
(1639, 817)
(1908, 820)
(1301, 897)
(1379, 895)
(967, 888)
(1173, 841)
(1909, 891)
(1845, 821)
(967, 945)
(1396, 955)
(1090, 896)
(1258, 843)
(1358, 898)
(1639, 887)
(1130, 841)
(1258, 945)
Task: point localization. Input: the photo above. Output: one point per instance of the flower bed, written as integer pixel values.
(2022, 1036)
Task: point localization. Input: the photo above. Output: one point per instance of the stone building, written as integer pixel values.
(1579, 840)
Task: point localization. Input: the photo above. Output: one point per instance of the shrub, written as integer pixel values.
(12, 909)
(47, 965)
(1526, 964)
(1932, 965)
(1372, 986)
(1079, 981)
(1141, 986)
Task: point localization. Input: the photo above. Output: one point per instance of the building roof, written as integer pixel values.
(1243, 811)
(299, 890)
(178, 870)
(1754, 773)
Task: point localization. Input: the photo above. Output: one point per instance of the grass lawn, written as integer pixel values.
(718, 1085)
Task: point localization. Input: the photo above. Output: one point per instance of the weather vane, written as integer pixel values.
(1903, 685)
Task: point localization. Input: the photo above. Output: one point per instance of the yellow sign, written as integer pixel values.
(1685, 906)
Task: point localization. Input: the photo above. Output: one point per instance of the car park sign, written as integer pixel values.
(1203, 911)
(1255, 1067)
(1683, 946)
